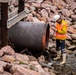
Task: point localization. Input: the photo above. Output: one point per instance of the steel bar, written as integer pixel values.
(12, 21)
(12, 14)
(21, 6)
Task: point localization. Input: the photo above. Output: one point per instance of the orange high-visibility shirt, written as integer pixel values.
(61, 30)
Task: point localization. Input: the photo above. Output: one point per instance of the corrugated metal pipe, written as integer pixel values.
(30, 35)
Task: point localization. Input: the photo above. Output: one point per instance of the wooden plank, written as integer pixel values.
(4, 30)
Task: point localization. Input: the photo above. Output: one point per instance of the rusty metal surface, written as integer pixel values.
(33, 36)
(4, 30)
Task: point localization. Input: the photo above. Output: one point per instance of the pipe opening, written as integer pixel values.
(47, 34)
(45, 37)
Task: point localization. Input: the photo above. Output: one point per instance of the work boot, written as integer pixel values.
(64, 59)
(58, 55)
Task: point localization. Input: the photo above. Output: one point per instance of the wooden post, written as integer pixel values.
(4, 30)
(21, 6)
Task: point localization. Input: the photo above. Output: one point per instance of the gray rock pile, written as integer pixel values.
(12, 63)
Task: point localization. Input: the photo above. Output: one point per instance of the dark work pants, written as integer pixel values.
(60, 45)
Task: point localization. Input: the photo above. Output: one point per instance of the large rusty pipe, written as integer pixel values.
(30, 35)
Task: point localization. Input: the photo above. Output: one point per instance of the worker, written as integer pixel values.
(61, 35)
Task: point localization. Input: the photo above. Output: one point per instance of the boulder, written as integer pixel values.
(51, 45)
(69, 2)
(39, 1)
(35, 19)
(1, 53)
(23, 71)
(59, 3)
(8, 58)
(41, 70)
(51, 72)
(27, 10)
(71, 30)
(72, 47)
(67, 43)
(41, 59)
(74, 26)
(6, 73)
(45, 5)
(73, 36)
(11, 8)
(69, 37)
(32, 8)
(74, 41)
(27, 5)
(67, 12)
(22, 58)
(36, 5)
(73, 17)
(69, 22)
(32, 58)
(31, 0)
(44, 14)
(42, 19)
(15, 3)
(73, 6)
(75, 11)
(7, 50)
(1, 70)
(53, 8)
(33, 63)
(2, 63)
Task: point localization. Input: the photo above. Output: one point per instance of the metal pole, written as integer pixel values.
(4, 30)
(21, 6)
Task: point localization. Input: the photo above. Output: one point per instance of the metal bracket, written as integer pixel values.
(16, 19)
(13, 13)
